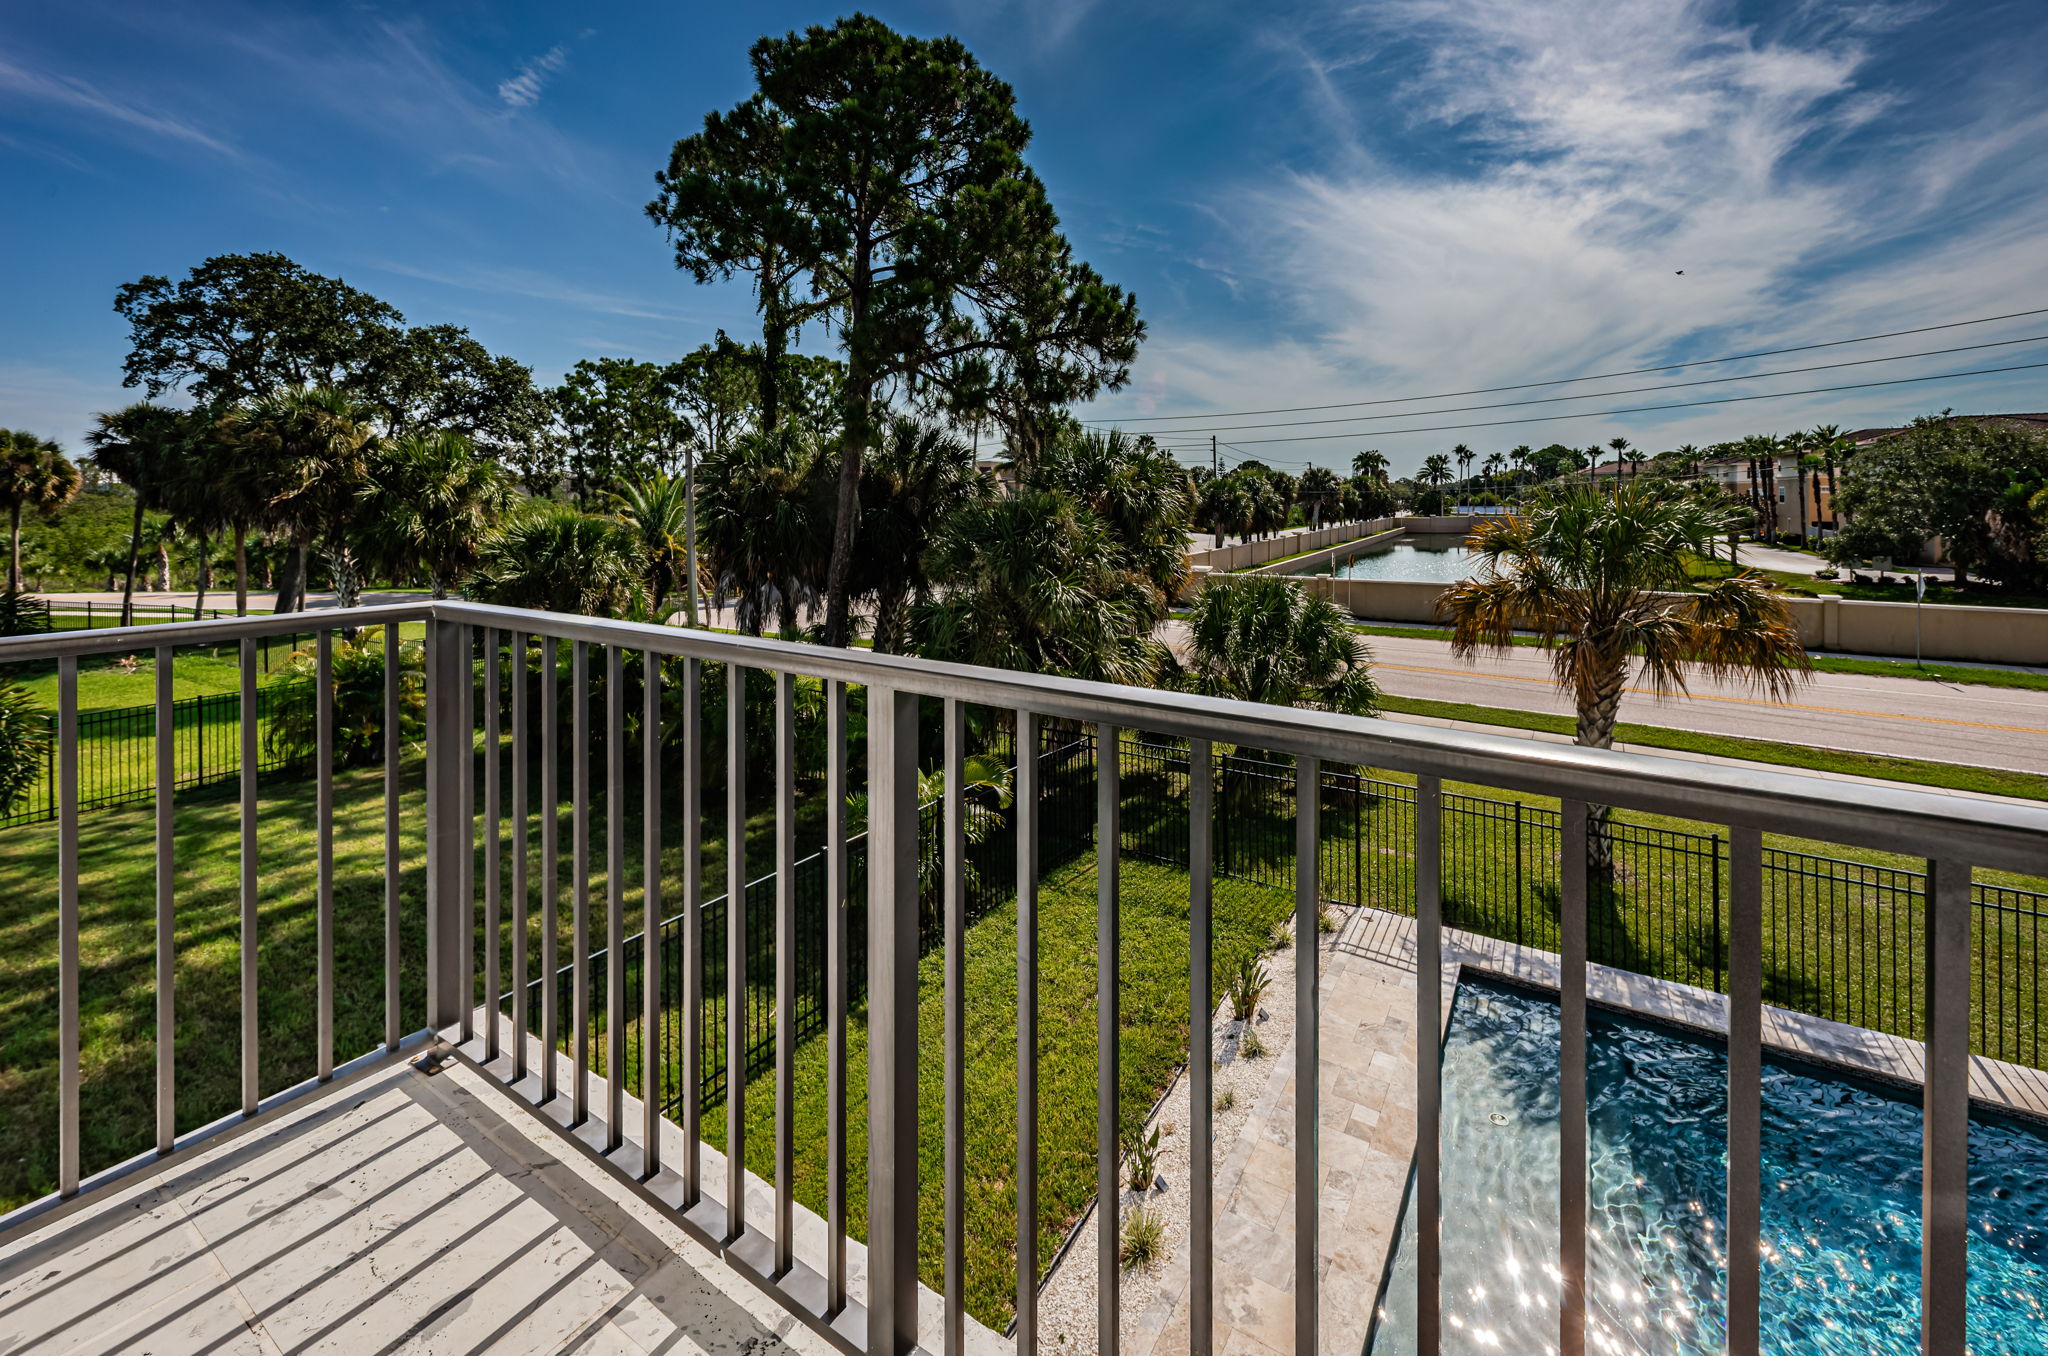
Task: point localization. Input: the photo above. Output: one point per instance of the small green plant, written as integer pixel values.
(1326, 919)
(1280, 938)
(1226, 1099)
(1141, 1157)
(1253, 1047)
(1144, 1240)
(1247, 987)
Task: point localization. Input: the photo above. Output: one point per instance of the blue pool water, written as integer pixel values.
(1436, 557)
(1841, 1209)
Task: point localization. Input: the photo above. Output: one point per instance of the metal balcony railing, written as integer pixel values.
(472, 649)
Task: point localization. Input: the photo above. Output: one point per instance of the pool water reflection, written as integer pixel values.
(1434, 557)
(1841, 1209)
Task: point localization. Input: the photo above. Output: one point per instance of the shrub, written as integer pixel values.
(23, 614)
(1226, 1099)
(358, 701)
(1253, 1047)
(1144, 1240)
(24, 742)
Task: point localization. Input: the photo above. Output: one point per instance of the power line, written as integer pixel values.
(1563, 381)
(1631, 390)
(1642, 409)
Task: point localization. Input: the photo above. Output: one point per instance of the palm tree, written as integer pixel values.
(1318, 488)
(142, 447)
(551, 557)
(431, 504)
(1494, 464)
(34, 474)
(1464, 456)
(1436, 470)
(657, 509)
(312, 447)
(1225, 503)
(1034, 581)
(918, 475)
(765, 507)
(1827, 442)
(1266, 638)
(1370, 464)
(1603, 583)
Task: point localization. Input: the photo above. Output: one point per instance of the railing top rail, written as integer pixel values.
(1898, 819)
(1920, 823)
(128, 639)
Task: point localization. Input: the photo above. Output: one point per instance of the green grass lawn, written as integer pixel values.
(1154, 1022)
(1976, 594)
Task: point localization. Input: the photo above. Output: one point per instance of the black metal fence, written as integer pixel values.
(1843, 938)
(117, 751)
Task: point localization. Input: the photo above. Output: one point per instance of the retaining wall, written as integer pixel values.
(1988, 635)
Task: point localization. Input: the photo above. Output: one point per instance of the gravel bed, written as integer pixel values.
(1067, 1304)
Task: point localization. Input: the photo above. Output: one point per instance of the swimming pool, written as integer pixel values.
(1841, 1208)
(1433, 556)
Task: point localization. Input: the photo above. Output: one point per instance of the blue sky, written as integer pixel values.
(1313, 203)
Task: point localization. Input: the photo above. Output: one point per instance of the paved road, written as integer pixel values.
(1992, 727)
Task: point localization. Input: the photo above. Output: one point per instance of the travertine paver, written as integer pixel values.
(1365, 1148)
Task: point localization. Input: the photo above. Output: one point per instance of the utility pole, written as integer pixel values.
(1215, 463)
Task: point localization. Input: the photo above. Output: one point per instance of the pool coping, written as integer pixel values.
(1996, 1086)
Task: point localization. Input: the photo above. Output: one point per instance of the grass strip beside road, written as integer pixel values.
(1950, 776)
(1936, 672)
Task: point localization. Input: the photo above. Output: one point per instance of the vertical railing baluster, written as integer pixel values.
(1429, 1017)
(650, 913)
(1201, 1052)
(522, 813)
(579, 848)
(1745, 1085)
(247, 752)
(1945, 1127)
(735, 951)
(465, 827)
(166, 902)
(1307, 1069)
(323, 776)
(550, 865)
(785, 970)
(892, 1021)
(693, 931)
(1574, 842)
(494, 860)
(393, 973)
(836, 975)
(953, 860)
(68, 1068)
(448, 747)
(1108, 1036)
(615, 898)
(1026, 818)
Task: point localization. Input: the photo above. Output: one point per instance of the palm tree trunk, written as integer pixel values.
(134, 558)
(163, 565)
(690, 534)
(288, 578)
(205, 580)
(241, 570)
(348, 576)
(14, 547)
(1596, 731)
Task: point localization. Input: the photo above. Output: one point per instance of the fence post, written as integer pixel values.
(1720, 955)
(1520, 939)
(892, 1006)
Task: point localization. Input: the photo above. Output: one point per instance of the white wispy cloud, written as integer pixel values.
(75, 95)
(523, 89)
(535, 285)
(1599, 148)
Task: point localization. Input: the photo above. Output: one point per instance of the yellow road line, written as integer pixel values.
(1744, 701)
